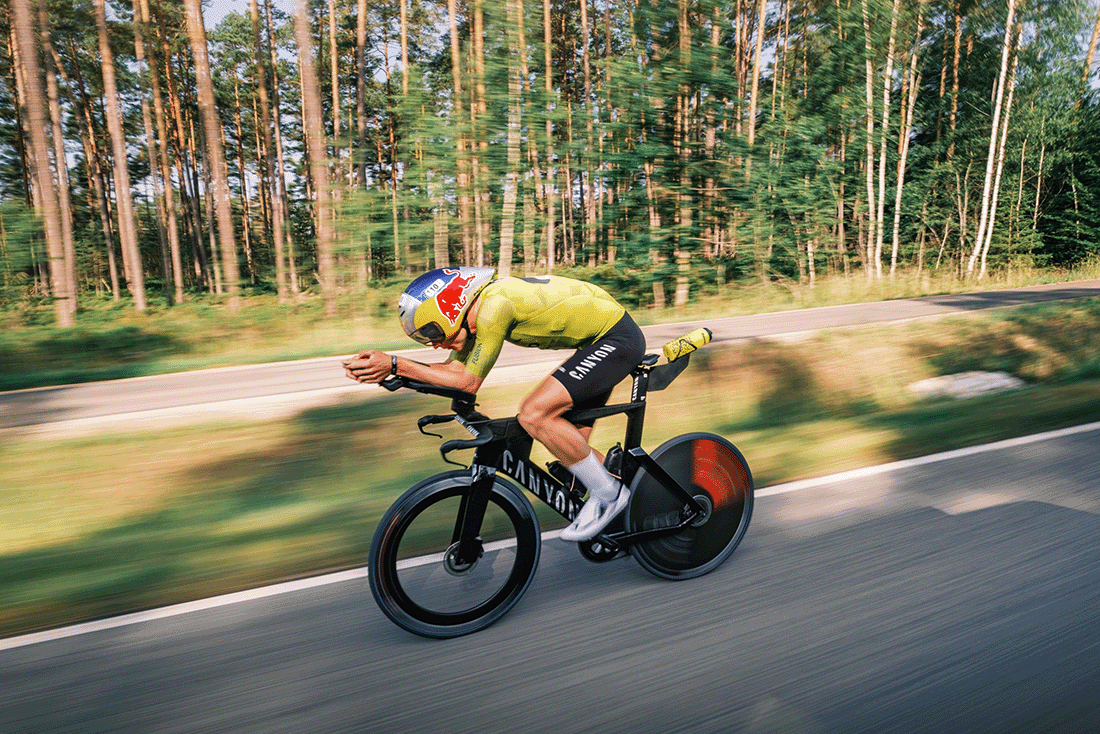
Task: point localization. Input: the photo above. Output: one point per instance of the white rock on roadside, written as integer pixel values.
(966, 384)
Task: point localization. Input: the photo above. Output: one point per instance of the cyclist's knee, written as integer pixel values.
(537, 411)
(531, 415)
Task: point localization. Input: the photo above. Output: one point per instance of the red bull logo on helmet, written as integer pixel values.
(451, 297)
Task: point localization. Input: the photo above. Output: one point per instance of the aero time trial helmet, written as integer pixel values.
(434, 305)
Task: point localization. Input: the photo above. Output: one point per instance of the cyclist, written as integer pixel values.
(472, 314)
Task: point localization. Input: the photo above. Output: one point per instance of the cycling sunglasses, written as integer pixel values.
(428, 334)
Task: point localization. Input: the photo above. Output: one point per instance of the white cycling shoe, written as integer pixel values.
(595, 516)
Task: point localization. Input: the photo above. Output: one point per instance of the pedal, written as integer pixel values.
(598, 550)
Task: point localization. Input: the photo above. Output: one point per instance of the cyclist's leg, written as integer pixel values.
(586, 431)
(585, 380)
(540, 414)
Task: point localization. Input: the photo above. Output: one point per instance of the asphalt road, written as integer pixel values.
(961, 595)
(276, 389)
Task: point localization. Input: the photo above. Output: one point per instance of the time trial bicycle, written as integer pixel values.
(456, 552)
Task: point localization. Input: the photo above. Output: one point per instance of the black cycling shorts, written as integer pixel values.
(593, 371)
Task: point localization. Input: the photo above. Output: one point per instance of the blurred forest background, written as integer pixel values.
(321, 147)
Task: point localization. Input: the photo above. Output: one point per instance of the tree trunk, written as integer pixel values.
(403, 17)
(508, 213)
(36, 127)
(533, 175)
(272, 186)
(462, 178)
(211, 229)
(1000, 155)
(334, 79)
(400, 247)
(94, 163)
(440, 232)
(40, 268)
(1089, 57)
(869, 162)
(21, 143)
(1039, 176)
(159, 184)
(282, 211)
(754, 95)
(246, 208)
(361, 96)
(479, 143)
(587, 175)
(568, 235)
(529, 257)
(841, 245)
(185, 160)
(315, 151)
(127, 225)
(995, 128)
(60, 163)
(215, 162)
(548, 187)
(367, 268)
(1014, 224)
(710, 138)
(263, 170)
(887, 86)
(143, 21)
(955, 59)
(912, 85)
(683, 230)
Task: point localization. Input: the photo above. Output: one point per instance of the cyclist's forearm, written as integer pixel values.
(444, 374)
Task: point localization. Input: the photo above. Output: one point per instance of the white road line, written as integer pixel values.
(288, 587)
(871, 471)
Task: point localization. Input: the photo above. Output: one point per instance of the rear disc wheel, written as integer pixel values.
(716, 474)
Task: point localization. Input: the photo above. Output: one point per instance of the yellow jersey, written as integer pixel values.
(545, 312)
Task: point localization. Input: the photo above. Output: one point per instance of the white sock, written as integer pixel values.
(592, 474)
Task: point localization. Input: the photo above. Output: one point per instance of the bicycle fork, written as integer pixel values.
(466, 546)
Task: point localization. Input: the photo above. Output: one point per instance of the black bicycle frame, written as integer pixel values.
(503, 446)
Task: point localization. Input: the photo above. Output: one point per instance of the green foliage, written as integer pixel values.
(639, 135)
(1070, 220)
(20, 234)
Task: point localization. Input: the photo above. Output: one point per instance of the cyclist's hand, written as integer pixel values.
(370, 366)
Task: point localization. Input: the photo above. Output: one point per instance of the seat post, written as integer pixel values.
(636, 417)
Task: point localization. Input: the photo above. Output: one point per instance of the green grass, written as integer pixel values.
(113, 523)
